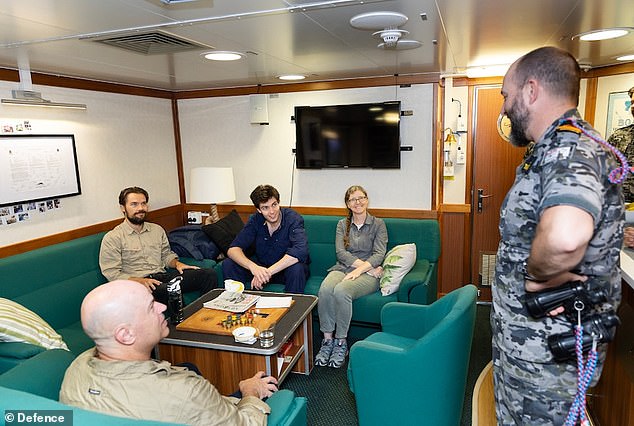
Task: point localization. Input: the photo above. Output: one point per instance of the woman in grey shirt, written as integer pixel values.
(360, 244)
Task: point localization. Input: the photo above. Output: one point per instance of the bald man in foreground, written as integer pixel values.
(119, 377)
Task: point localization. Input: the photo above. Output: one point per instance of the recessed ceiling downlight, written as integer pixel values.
(603, 34)
(221, 55)
(291, 77)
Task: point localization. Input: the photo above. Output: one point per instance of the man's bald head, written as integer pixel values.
(106, 306)
(121, 316)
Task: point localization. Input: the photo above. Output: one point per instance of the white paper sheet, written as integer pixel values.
(274, 302)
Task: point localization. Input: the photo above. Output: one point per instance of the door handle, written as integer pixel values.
(480, 197)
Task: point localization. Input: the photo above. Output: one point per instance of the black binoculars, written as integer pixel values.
(539, 304)
(598, 326)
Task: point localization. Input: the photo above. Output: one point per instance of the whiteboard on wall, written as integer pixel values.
(37, 167)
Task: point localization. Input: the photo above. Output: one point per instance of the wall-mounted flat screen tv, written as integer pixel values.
(359, 135)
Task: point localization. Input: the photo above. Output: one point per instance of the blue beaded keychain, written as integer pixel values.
(584, 372)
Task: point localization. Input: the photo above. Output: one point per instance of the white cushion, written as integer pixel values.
(398, 262)
(18, 324)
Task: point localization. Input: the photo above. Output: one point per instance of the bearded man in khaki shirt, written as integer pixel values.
(139, 251)
(119, 377)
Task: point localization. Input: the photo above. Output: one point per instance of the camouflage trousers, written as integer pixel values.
(528, 393)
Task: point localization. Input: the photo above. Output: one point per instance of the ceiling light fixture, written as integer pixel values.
(34, 99)
(480, 71)
(291, 77)
(222, 55)
(603, 34)
(26, 96)
(387, 24)
(626, 58)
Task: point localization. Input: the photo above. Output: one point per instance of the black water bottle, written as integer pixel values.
(175, 300)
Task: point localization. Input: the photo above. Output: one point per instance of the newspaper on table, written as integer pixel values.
(232, 301)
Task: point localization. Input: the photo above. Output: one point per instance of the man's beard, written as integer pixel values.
(518, 115)
(136, 220)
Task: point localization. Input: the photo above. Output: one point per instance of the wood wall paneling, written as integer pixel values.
(453, 239)
(355, 83)
(168, 217)
(178, 152)
(591, 100)
(175, 216)
(79, 83)
(246, 210)
(611, 402)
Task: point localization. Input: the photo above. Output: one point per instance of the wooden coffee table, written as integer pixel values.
(225, 362)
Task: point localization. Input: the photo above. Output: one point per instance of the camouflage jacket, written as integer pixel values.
(623, 140)
(565, 168)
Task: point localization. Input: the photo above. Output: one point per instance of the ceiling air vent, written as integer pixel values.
(152, 43)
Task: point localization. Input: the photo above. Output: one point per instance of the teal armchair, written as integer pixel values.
(35, 384)
(415, 370)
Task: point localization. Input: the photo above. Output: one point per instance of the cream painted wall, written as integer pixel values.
(121, 141)
(454, 187)
(217, 132)
(125, 140)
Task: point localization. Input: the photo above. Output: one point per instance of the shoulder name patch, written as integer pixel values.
(559, 153)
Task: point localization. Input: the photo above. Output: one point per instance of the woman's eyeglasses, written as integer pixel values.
(357, 200)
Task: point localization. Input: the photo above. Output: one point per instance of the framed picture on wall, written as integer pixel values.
(618, 112)
(37, 167)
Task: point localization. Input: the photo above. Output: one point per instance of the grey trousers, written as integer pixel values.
(335, 300)
(528, 393)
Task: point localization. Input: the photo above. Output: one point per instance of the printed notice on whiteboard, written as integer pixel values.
(37, 167)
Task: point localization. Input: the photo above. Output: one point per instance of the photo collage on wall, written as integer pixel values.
(10, 215)
(22, 126)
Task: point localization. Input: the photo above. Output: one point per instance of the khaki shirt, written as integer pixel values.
(127, 253)
(154, 390)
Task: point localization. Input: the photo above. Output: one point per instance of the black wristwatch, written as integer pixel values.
(528, 276)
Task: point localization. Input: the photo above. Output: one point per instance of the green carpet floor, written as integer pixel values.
(330, 401)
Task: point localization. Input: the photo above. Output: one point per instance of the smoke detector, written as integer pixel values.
(386, 26)
(390, 35)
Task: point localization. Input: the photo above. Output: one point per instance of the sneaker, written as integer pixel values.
(323, 355)
(338, 355)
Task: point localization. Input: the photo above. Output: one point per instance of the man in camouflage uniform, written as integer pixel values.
(623, 140)
(561, 221)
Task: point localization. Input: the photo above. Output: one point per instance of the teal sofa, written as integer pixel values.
(52, 282)
(35, 385)
(415, 370)
(418, 286)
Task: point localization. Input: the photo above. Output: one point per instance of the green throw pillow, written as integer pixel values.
(18, 324)
(398, 262)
